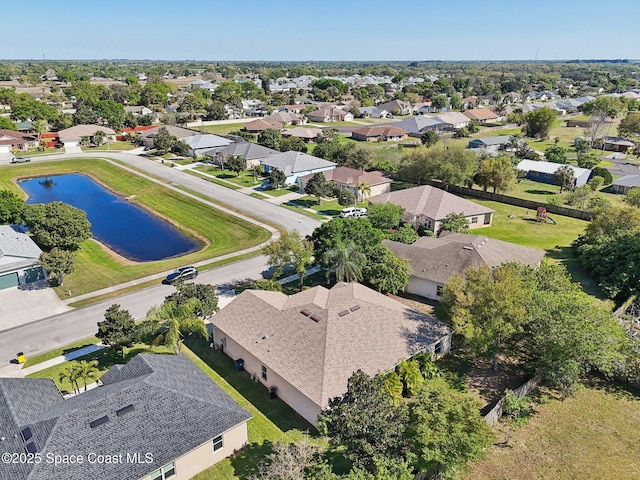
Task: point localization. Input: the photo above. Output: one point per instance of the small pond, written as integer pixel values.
(124, 227)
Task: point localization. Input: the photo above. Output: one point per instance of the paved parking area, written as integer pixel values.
(19, 305)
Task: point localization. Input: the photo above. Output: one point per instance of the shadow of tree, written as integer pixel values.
(540, 192)
(246, 462)
(566, 257)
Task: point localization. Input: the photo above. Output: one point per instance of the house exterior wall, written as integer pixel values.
(424, 288)
(203, 457)
(482, 220)
(305, 407)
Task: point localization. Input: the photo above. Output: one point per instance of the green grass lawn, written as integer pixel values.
(57, 352)
(221, 129)
(295, 208)
(245, 179)
(542, 192)
(106, 359)
(258, 195)
(96, 268)
(215, 180)
(327, 207)
(281, 191)
(592, 435)
(523, 229)
(117, 145)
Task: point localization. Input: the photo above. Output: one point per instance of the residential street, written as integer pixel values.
(67, 327)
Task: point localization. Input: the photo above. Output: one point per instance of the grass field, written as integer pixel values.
(245, 179)
(117, 145)
(215, 180)
(222, 129)
(542, 192)
(96, 268)
(593, 435)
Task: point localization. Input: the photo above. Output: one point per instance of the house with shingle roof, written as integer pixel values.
(285, 118)
(200, 143)
(427, 206)
(544, 172)
(307, 134)
(158, 416)
(351, 179)
(453, 120)
(625, 183)
(330, 114)
(307, 345)
(72, 136)
(14, 140)
(497, 142)
(295, 165)
(252, 153)
(19, 258)
(385, 133)
(482, 115)
(397, 107)
(262, 124)
(434, 260)
(420, 124)
(147, 137)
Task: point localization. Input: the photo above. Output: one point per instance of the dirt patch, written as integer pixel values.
(489, 386)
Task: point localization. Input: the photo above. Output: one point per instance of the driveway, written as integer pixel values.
(20, 305)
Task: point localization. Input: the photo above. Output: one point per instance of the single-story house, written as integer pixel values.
(260, 125)
(421, 108)
(453, 120)
(483, 115)
(498, 142)
(138, 110)
(626, 183)
(199, 144)
(434, 260)
(252, 153)
(373, 112)
(156, 417)
(297, 108)
(306, 134)
(427, 206)
(330, 114)
(397, 107)
(543, 172)
(295, 165)
(351, 178)
(307, 345)
(148, 136)
(72, 136)
(615, 144)
(385, 133)
(470, 102)
(17, 140)
(420, 124)
(285, 118)
(19, 258)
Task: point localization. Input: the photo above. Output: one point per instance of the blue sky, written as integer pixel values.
(321, 29)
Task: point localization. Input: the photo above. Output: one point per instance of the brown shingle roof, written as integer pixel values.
(302, 132)
(431, 202)
(378, 131)
(78, 131)
(437, 259)
(351, 176)
(481, 114)
(356, 328)
(262, 124)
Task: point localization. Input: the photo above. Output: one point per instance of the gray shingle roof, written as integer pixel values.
(206, 141)
(178, 132)
(418, 123)
(318, 357)
(437, 259)
(17, 250)
(176, 407)
(246, 150)
(294, 162)
(628, 181)
(431, 202)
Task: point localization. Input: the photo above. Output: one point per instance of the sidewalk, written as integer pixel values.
(15, 370)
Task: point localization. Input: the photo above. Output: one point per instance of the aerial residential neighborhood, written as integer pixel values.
(320, 242)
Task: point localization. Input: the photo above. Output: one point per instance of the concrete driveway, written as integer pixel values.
(22, 305)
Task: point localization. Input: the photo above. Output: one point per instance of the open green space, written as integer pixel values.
(281, 191)
(245, 179)
(97, 268)
(117, 145)
(215, 180)
(592, 435)
(221, 129)
(542, 192)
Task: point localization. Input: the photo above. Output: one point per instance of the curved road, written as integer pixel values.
(74, 325)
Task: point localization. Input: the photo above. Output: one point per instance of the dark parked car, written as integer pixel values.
(182, 273)
(20, 159)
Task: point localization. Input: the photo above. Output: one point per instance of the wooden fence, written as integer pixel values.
(522, 391)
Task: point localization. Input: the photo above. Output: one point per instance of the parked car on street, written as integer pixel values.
(353, 212)
(181, 274)
(20, 159)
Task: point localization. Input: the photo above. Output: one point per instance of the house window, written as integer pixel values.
(224, 343)
(437, 348)
(439, 290)
(168, 471)
(548, 175)
(428, 224)
(218, 443)
(263, 372)
(474, 219)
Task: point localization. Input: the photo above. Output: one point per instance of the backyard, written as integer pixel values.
(97, 267)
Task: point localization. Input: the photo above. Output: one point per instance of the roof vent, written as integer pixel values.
(99, 421)
(354, 308)
(343, 313)
(26, 434)
(305, 312)
(124, 410)
(314, 317)
(31, 447)
(467, 247)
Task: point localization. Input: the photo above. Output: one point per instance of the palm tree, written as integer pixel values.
(72, 374)
(345, 262)
(86, 371)
(39, 127)
(409, 372)
(364, 189)
(258, 170)
(168, 323)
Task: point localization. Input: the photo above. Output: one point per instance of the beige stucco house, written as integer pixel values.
(434, 260)
(427, 206)
(307, 345)
(352, 178)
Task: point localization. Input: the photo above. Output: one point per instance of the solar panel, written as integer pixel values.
(99, 421)
(26, 434)
(343, 313)
(31, 447)
(124, 410)
(354, 308)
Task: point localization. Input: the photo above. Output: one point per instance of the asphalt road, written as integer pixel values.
(68, 327)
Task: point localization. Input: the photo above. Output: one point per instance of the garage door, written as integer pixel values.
(9, 280)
